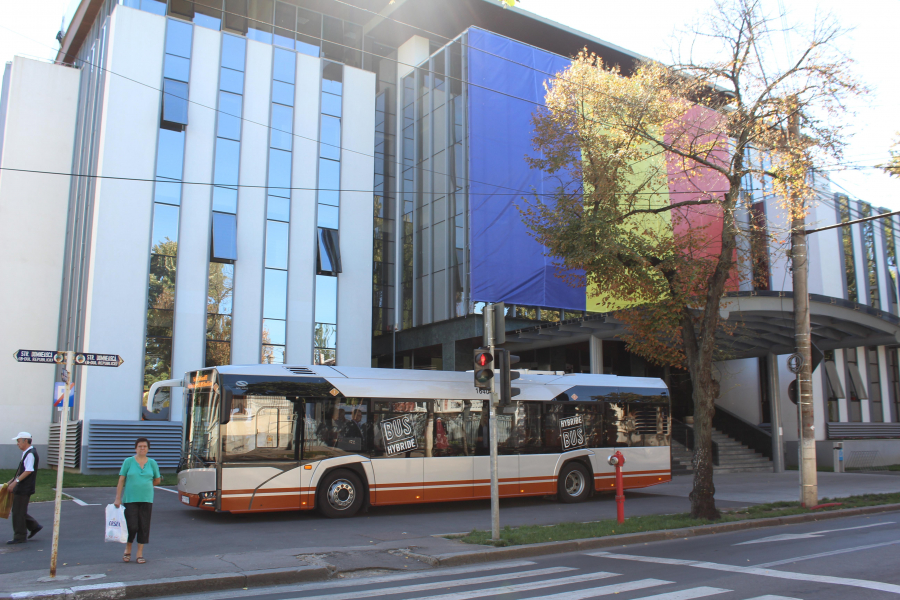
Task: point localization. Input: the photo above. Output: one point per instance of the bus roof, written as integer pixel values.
(410, 383)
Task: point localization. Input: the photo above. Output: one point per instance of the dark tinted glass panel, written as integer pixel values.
(275, 295)
(282, 127)
(326, 299)
(224, 237)
(167, 192)
(328, 259)
(233, 51)
(332, 78)
(182, 8)
(170, 154)
(225, 199)
(283, 93)
(328, 216)
(231, 81)
(175, 105)
(178, 38)
(278, 208)
(336, 427)
(165, 229)
(157, 7)
(333, 34)
(309, 30)
(330, 138)
(274, 332)
(229, 124)
(285, 23)
(279, 173)
(262, 13)
(284, 66)
(160, 322)
(276, 245)
(177, 67)
(208, 13)
(235, 16)
(228, 154)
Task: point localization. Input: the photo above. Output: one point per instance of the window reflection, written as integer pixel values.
(283, 93)
(278, 208)
(165, 228)
(177, 67)
(284, 66)
(170, 154)
(275, 294)
(326, 299)
(282, 127)
(229, 124)
(277, 245)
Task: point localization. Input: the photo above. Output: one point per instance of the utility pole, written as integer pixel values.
(61, 457)
(802, 335)
(490, 338)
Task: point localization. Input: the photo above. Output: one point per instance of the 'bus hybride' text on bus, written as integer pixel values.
(571, 432)
(398, 435)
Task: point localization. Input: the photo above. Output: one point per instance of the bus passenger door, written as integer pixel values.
(449, 454)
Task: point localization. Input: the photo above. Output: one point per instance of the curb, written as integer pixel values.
(531, 550)
(176, 585)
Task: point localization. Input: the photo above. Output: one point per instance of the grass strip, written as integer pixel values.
(535, 534)
(46, 481)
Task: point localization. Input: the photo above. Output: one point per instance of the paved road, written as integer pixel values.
(831, 560)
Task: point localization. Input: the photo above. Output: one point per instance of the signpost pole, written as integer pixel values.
(61, 457)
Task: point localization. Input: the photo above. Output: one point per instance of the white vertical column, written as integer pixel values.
(840, 365)
(354, 308)
(193, 237)
(302, 248)
(246, 338)
(596, 346)
(819, 401)
(862, 363)
(884, 383)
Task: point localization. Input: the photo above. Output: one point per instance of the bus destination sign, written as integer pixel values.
(571, 432)
(398, 435)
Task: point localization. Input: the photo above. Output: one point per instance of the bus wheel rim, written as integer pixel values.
(341, 494)
(574, 482)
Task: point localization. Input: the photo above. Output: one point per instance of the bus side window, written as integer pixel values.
(261, 428)
(528, 427)
(448, 428)
(398, 428)
(335, 427)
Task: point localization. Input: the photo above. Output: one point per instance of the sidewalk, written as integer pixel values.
(215, 551)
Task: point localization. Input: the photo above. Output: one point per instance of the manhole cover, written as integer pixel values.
(89, 576)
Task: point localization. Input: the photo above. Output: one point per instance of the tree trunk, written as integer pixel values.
(703, 503)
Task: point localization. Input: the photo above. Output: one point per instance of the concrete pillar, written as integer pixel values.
(862, 363)
(883, 378)
(448, 354)
(596, 355)
(775, 416)
(840, 365)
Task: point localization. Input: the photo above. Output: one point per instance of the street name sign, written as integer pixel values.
(98, 360)
(40, 356)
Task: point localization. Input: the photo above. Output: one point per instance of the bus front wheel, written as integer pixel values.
(340, 494)
(574, 483)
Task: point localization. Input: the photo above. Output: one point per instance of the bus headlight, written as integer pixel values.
(207, 498)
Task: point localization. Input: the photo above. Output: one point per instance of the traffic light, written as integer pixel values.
(505, 360)
(484, 369)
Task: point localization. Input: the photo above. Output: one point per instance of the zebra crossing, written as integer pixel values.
(521, 579)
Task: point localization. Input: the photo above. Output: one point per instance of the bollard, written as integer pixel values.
(838, 457)
(618, 460)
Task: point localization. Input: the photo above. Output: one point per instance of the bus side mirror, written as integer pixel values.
(225, 409)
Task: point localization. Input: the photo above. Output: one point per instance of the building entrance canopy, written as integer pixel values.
(759, 323)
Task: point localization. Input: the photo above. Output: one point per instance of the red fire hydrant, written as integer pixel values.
(617, 460)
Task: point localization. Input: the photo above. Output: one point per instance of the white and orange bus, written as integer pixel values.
(274, 438)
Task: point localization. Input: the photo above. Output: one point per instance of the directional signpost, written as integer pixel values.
(70, 359)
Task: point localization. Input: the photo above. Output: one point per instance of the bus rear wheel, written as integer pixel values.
(340, 494)
(574, 483)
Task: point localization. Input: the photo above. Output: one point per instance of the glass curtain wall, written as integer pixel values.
(868, 233)
(286, 24)
(278, 207)
(385, 198)
(434, 274)
(223, 238)
(328, 258)
(843, 205)
(890, 253)
(166, 209)
(92, 61)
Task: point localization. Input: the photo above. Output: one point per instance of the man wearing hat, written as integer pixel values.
(22, 487)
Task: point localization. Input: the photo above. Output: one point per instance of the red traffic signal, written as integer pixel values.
(483, 369)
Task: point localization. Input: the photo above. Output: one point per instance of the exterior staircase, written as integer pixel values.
(734, 457)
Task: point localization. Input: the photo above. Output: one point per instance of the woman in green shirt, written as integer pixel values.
(138, 475)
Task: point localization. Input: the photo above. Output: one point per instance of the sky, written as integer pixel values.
(647, 28)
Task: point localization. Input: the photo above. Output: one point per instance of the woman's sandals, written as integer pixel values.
(126, 557)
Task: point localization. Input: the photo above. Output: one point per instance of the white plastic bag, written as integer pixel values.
(116, 529)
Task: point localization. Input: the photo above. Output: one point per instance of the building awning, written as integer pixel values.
(758, 323)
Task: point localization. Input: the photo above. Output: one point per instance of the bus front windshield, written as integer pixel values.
(202, 432)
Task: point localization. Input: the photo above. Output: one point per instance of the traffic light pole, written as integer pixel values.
(490, 338)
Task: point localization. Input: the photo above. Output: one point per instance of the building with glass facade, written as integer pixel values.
(335, 182)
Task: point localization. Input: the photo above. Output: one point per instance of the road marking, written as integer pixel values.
(861, 583)
(423, 587)
(573, 595)
(366, 581)
(806, 536)
(821, 554)
(771, 597)
(166, 489)
(697, 592)
(78, 501)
